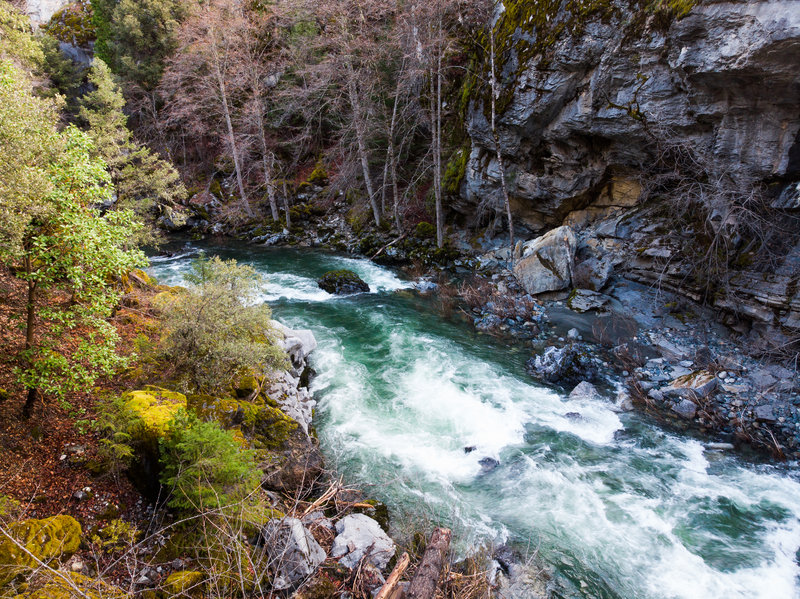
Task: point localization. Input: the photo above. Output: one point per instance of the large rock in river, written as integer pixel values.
(547, 262)
(342, 282)
(360, 537)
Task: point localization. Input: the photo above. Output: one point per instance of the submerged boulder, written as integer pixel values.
(342, 282)
(570, 363)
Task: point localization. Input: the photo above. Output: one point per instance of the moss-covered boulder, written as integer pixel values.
(43, 541)
(70, 586)
(342, 282)
(185, 583)
(155, 408)
(152, 409)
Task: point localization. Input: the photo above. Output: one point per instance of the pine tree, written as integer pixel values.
(140, 177)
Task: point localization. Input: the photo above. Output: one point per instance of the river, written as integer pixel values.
(612, 504)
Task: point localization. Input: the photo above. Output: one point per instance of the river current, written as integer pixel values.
(612, 504)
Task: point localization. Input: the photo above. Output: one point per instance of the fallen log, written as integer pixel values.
(391, 582)
(429, 571)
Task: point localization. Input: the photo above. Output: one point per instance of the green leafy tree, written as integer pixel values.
(203, 466)
(217, 329)
(58, 243)
(140, 177)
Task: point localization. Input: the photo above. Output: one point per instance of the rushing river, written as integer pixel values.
(614, 505)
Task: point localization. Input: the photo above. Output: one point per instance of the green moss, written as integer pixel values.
(319, 176)
(155, 408)
(43, 540)
(184, 582)
(455, 170)
(424, 230)
(269, 427)
(75, 585)
(73, 24)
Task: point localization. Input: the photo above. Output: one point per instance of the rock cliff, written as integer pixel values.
(595, 96)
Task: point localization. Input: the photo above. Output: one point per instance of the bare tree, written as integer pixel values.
(200, 77)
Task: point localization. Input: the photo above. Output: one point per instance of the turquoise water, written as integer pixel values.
(613, 505)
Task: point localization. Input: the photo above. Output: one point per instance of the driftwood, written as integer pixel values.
(388, 245)
(426, 579)
(391, 582)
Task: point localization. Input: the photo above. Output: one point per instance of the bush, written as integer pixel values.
(203, 465)
(216, 331)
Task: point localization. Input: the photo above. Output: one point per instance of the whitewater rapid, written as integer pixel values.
(411, 406)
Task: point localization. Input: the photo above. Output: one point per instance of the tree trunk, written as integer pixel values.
(426, 579)
(286, 207)
(231, 136)
(355, 104)
(500, 163)
(266, 162)
(30, 335)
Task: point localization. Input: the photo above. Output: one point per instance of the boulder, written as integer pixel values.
(342, 282)
(585, 391)
(294, 555)
(583, 300)
(685, 408)
(694, 385)
(44, 540)
(298, 343)
(360, 537)
(591, 274)
(563, 364)
(547, 262)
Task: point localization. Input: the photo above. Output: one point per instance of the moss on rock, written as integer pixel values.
(70, 586)
(342, 281)
(155, 408)
(43, 540)
(186, 583)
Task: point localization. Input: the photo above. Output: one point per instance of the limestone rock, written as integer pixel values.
(547, 262)
(293, 553)
(360, 537)
(592, 274)
(570, 363)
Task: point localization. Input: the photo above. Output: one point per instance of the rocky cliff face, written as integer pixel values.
(588, 111)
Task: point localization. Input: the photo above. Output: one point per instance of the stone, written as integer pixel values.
(592, 274)
(585, 391)
(547, 262)
(699, 384)
(488, 464)
(294, 555)
(583, 300)
(573, 334)
(360, 537)
(572, 362)
(764, 413)
(670, 350)
(342, 282)
(44, 540)
(762, 379)
(685, 408)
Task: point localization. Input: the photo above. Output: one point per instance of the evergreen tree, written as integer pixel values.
(140, 177)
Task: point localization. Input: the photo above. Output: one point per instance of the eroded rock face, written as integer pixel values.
(586, 116)
(573, 132)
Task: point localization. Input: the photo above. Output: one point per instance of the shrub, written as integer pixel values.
(216, 330)
(203, 465)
